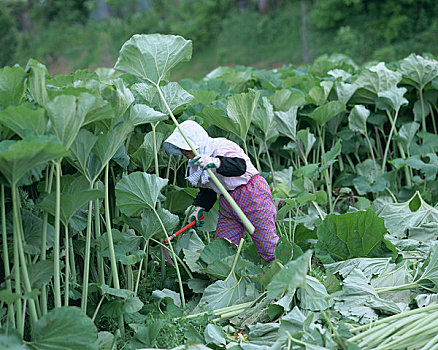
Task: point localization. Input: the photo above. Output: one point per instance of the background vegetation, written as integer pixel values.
(71, 34)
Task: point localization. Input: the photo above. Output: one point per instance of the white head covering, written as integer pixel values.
(203, 143)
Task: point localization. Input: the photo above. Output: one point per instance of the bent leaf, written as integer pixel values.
(64, 328)
(152, 56)
(137, 191)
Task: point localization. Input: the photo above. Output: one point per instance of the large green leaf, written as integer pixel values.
(120, 98)
(373, 80)
(80, 153)
(221, 294)
(32, 230)
(391, 99)
(12, 85)
(357, 120)
(418, 71)
(64, 328)
(137, 191)
(11, 342)
(151, 226)
(70, 203)
(407, 133)
(290, 277)
(37, 81)
(285, 99)
(326, 112)
(399, 217)
(346, 236)
(108, 144)
(175, 96)
(67, 114)
(287, 122)
(426, 163)
(40, 273)
(152, 56)
(24, 121)
(144, 156)
(345, 91)
(19, 157)
(264, 119)
(143, 114)
(318, 94)
(240, 109)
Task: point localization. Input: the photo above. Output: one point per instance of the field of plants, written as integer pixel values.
(88, 197)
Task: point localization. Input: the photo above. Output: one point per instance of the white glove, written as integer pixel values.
(206, 162)
(196, 216)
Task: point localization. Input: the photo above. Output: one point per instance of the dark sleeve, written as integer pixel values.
(231, 166)
(205, 198)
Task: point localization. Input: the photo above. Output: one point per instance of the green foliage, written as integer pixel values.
(8, 37)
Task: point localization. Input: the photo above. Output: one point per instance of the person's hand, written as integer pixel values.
(196, 216)
(206, 162)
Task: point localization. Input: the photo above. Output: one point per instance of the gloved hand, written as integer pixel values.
(206, 162)
(196, 215)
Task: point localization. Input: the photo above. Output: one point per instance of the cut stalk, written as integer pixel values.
(218, 184)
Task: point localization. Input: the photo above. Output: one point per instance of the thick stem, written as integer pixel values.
(388, 143)
(154, 136)
(270, 164)
(6, 255)
(239, 212)
(109, 232)
(145, 249)
(49, 180)
(86, 274)
(372, 152)
(423, 116)
(326, 173)
(239, 248)
(72, 260)
(100, 268)
(56, 244)
(67, 266)
(178, 274)
(18, 233)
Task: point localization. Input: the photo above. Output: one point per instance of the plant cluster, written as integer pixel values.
(88, 196)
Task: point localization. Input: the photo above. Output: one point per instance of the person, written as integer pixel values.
(240, 178)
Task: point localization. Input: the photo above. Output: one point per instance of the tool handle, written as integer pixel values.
(177, 233)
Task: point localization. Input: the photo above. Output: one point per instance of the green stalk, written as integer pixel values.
(145, 249)
(86, 273)
(423, 116)
(100, 268)
(17, 277)
(372, 152)
(218, 184)
(67, 266)
(111, 243)
(17, 226)
(6, 255)
(154, 136)
(270, 165)
(56, 246)
(48, 187)
(221, 311)
(388, 143)
(109, 231)
(239, 248)
(256, 156)
(177, 257)
(326, 173)
(178, 274)
(72, 260)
